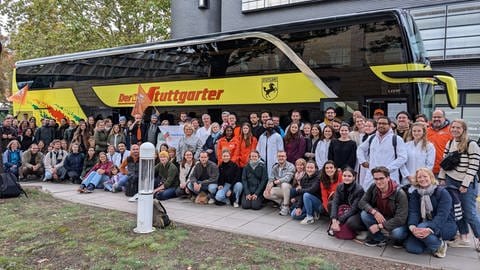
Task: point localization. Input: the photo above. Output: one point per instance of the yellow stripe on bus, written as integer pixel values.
(269, 89)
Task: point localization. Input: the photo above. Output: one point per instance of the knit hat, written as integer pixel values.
(379, 111)
(163, 154)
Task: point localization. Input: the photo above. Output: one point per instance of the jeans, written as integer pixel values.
(166, 194)
(397, 234)
(95, 179)
(210, 188)
(469, 207)
(237, 191)
(311, 204)
(431, 243)
(122, 181)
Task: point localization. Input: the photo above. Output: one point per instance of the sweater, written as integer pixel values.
(212, 172)
(168, 174)
(228, 173)
(467, 169)
(343, 153)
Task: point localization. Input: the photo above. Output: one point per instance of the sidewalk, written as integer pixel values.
(265, 223)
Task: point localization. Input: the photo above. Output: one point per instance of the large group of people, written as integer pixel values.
(375, 179)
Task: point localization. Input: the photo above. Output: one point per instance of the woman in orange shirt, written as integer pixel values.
(330, 177)
(227, 142)
(246, 144)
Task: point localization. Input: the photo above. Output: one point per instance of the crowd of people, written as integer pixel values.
(374, 179)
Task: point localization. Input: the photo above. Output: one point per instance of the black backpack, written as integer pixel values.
(160, 218)
(131, 187)
(9, 188)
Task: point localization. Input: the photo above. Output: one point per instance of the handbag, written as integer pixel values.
(451, 160)
(345, 232)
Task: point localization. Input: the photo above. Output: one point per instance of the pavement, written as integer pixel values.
(265, 223)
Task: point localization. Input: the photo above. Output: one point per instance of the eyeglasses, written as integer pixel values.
(382, 123)
(379, 178)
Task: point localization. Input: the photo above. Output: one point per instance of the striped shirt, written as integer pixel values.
(467, 169)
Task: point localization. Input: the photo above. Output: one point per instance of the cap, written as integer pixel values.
(379, 111)
(122, 118)
(163, 154)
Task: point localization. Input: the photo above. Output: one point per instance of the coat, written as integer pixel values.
(254, 180)
(168, 174)
(355, 193)
(382, 153)
(417, 158)
(268, 147)
(231, 145)
(243, 151)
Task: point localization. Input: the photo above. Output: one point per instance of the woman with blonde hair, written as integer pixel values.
(420, 152)
(463, 175)
(430, 216)
(189, 142)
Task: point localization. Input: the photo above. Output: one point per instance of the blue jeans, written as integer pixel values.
(311, 204)
(397, 234)
(210, 188)
(237, 191)
(95, 179)
(122, 181)
(469, 207)
(432, 242)
(166, 194)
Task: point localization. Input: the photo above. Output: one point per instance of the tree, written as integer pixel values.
(50, 27)
(6, 67)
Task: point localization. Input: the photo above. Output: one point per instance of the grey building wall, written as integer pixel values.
(189, 20)
(234, 19)
(466, 73)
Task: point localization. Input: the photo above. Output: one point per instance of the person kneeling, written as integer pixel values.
(430, 216)
(168, 173)
(254, 180)
(385, 210)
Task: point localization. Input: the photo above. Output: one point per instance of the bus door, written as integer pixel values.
(390, 106)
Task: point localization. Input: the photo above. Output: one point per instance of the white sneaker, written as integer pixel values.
(211, 201)
(307, 220)
(459, 243)
(236, 205)
(134, 198)
(284, 210)
(441, 251)
(362, 236)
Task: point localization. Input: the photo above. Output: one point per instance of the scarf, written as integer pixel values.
(426, 207)
(254, 164)
(215, 135)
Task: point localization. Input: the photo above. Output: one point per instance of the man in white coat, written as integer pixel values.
(382, 150)
(269, 143)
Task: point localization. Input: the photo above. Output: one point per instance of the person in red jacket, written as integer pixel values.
(247, 142)
(227, 142)
(330, 177)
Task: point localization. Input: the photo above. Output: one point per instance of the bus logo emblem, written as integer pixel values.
(270, 88)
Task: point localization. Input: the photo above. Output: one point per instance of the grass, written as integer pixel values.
(41, 232)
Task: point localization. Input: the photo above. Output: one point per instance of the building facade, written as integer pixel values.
(450, 30)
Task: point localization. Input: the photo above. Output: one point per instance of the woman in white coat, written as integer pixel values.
(321, 152)
(420, 153)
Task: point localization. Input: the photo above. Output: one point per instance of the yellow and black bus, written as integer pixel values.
(356, 62)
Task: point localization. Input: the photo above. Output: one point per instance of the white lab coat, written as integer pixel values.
(268, 148)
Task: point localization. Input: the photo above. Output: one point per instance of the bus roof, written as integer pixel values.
(194, 39)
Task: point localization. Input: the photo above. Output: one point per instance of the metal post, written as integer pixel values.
(145, 189)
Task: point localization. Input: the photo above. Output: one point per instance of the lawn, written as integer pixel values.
(42, 232)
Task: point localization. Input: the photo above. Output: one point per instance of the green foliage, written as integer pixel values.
(50, 27)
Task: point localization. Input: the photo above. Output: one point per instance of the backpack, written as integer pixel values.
(160, 218)
(394, 143)
(345, 232)
(9, 188)
(131, 188)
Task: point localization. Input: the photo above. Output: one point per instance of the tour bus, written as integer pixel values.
(357, 62)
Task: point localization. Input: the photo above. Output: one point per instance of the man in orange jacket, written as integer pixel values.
(439, 134)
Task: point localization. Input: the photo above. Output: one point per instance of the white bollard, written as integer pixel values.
(145, 189)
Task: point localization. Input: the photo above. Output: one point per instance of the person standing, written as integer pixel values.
(439, 134)
(464, 177)
(269, 144)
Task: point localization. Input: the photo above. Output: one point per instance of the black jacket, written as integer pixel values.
(310, 184)
(74, 162)
(355, 193)
(228, 173)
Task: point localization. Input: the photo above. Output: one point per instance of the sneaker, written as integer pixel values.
(441, 251)
(362, 236)
(236, 205)
(284, 211)
(82, 189)
(375, 243)
(397, 244)
(211, 201)
(134, 198)
(458, 242)
(90, 188)
(307, 220)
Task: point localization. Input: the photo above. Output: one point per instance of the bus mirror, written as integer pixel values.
(451, 89)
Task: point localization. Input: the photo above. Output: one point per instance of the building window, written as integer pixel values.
(450, 31)
(250, 5)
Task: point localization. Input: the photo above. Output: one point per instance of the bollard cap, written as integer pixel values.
(147, 151)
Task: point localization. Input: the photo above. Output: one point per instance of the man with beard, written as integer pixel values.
(439, 134)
